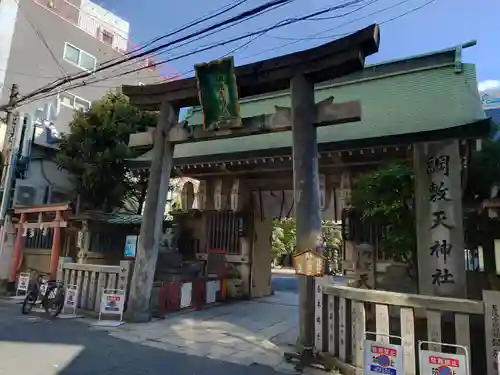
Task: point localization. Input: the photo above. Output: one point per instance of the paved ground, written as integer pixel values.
(245, 338)
(284, 281)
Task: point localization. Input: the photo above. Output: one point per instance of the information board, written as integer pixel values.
(381, 358)
(112, 302)
(438, 363)
(23, 282)
(71, 299)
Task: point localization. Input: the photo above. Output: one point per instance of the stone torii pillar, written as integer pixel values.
(152, 223)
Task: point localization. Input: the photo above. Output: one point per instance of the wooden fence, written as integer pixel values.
(343, 315)
(90, 280)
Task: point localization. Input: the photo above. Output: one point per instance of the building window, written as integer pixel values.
(78, 57)
(74, 102)
(38, 115)
(107, 37)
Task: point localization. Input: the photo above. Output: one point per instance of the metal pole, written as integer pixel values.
(306, 195)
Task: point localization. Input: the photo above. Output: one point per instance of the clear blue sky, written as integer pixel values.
(440, 24)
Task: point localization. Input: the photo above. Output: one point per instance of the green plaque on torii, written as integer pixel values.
(218, 92)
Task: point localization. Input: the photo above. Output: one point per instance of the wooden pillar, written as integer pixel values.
(18, 250)
(151, 227)
(56, 247)
(306, 194)
(440, 237)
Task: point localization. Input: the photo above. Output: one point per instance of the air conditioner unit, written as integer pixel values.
(25, 195)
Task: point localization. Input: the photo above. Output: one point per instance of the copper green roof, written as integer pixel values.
(424, 93)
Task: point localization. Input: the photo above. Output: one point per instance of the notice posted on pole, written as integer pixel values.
(382, 358)
(438, 363)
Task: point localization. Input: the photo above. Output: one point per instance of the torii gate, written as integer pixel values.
(298, 72)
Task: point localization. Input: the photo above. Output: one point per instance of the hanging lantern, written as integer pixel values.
(25, 232)
(31, 232)
(45, 230)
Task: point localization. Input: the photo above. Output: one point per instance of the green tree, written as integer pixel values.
(284, 238)
(385, 198)
(95, 150)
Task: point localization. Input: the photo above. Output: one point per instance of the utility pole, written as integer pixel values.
(9, 133)
(7, 171)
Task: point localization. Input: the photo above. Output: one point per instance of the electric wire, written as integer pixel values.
(219, 11)
(202, 37)
(257, 33)
(82, 75)
(43, 40)
(311, 37)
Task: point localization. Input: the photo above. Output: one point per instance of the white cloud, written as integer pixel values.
(488, 84)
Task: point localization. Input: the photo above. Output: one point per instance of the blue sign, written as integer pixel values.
(130, 246)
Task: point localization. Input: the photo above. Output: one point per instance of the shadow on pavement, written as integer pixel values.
(33, 345)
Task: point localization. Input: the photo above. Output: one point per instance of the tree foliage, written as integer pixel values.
(95, 150)
(284, 238)
(385, 198)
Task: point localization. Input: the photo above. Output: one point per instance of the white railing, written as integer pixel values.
(90, 280)
(105, 32)
(344, 314)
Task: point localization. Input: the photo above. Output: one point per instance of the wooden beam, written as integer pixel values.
(327, 113)
(51, 224)
(346, 54)
(42, 208)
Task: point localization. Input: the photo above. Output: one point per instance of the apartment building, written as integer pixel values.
(43, 40)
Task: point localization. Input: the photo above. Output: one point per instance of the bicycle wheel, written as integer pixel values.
(28, 303)
(53, 302)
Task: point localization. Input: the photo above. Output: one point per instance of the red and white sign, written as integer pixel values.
(381, 358)
(112, 303)
(437, 363)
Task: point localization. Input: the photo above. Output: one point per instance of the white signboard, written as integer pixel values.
(112, 302)
(23, 282)
(380, 358)
(438, 363)
(71, 299)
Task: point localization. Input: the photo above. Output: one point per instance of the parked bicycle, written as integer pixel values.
(49, 293)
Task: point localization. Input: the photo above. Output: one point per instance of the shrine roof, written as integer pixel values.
(430, 93)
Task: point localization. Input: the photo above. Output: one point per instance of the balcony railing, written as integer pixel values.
(105, 32)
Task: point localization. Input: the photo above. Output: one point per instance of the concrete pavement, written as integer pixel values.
(245, 337)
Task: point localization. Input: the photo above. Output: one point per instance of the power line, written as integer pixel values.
(206, 35)
(259, 32)
(231, 20)
(311, 37)
(358, 19)
(43, 40)
(224, 9)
